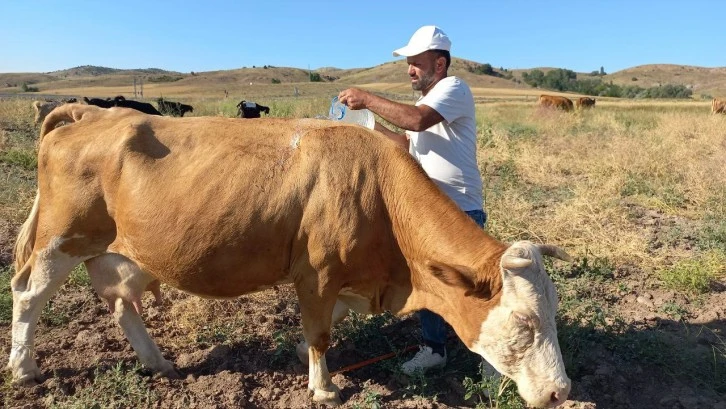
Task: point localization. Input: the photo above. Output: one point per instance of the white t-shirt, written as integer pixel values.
(447, 150)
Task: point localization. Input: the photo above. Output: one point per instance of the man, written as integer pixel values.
(441, 135)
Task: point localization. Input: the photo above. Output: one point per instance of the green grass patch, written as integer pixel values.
(362, 329)
(118, 387)
(520, 131)
(6, 296)
(703, 367)
(79, 277)
(492, 392)
(695, 275)
(20, 157)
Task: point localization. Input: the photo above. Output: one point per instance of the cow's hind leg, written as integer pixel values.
(121, 283)
(36, 282)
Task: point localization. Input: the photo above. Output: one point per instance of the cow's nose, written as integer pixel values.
(559, 396)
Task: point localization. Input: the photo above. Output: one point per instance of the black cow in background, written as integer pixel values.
(173, 108)
(122, 102)
(103, 103)
(248, 109)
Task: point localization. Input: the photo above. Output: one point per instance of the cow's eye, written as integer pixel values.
(526, 320)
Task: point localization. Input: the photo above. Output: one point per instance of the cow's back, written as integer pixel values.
(555, 101)
(229, 195)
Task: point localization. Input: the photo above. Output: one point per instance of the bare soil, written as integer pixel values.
(253, 365)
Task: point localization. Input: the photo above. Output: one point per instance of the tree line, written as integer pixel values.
(566, 80)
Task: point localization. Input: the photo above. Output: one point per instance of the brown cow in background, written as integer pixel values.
(718, 106)
(585, 102)
(553, 101)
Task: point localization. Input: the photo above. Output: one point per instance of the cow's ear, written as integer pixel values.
(458, 276)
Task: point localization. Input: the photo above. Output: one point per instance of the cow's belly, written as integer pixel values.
(213, 272)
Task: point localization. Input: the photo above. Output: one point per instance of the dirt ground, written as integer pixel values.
(258, 369)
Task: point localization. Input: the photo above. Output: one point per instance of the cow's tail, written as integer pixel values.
(64, 113)
(26, 237)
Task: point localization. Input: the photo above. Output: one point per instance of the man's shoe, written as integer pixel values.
(424, 360)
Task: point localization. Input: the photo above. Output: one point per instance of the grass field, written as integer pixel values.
(634, 190)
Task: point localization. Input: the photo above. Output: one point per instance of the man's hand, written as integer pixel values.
(354, 98)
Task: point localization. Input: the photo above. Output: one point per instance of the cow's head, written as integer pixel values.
(519, 336)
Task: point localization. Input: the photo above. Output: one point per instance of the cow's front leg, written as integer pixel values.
(319, 383)
(316, 311)
(340, 311)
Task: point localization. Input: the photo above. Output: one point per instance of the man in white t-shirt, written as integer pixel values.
(441, 135)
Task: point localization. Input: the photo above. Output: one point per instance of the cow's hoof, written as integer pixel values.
(328, 398)
(302, 352)
(29, 376)
(28, 380)
(170, 372)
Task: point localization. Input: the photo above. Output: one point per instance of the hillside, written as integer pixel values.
(711, 81)
(388, 77)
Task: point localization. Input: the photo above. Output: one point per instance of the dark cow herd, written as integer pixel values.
(246, 109)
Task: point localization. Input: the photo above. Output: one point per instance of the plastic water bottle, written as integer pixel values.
(340, 112)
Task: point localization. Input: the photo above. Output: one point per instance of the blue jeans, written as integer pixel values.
(433, 328)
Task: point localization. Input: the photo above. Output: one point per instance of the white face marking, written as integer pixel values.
(519, 336)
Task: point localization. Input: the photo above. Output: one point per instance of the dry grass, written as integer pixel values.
(574, 178)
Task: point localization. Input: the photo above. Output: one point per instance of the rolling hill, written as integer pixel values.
(389, 77)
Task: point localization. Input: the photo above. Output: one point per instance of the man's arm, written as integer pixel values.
(409, 117)
(400, 139)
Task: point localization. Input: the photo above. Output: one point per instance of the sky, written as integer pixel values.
(209, 35)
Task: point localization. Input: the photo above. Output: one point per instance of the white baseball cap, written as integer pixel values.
(424, 39)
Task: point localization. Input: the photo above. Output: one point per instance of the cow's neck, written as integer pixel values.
(429, 227)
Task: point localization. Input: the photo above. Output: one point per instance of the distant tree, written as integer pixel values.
(534, 78)
(485, 69)
(602, 70)
(27, 88)
(315, 77)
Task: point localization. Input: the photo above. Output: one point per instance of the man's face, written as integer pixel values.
(422, 70)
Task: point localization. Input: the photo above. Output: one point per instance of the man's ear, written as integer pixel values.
(440, 64)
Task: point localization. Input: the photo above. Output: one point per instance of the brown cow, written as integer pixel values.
(554, 101)
(220, 207)
(718, 106)
(585, 102)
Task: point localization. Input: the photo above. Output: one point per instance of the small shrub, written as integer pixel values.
(115, 388)
(372, 400)
(276, 81)
(285, 342)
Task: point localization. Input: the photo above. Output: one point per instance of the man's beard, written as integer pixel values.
(424, 81)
